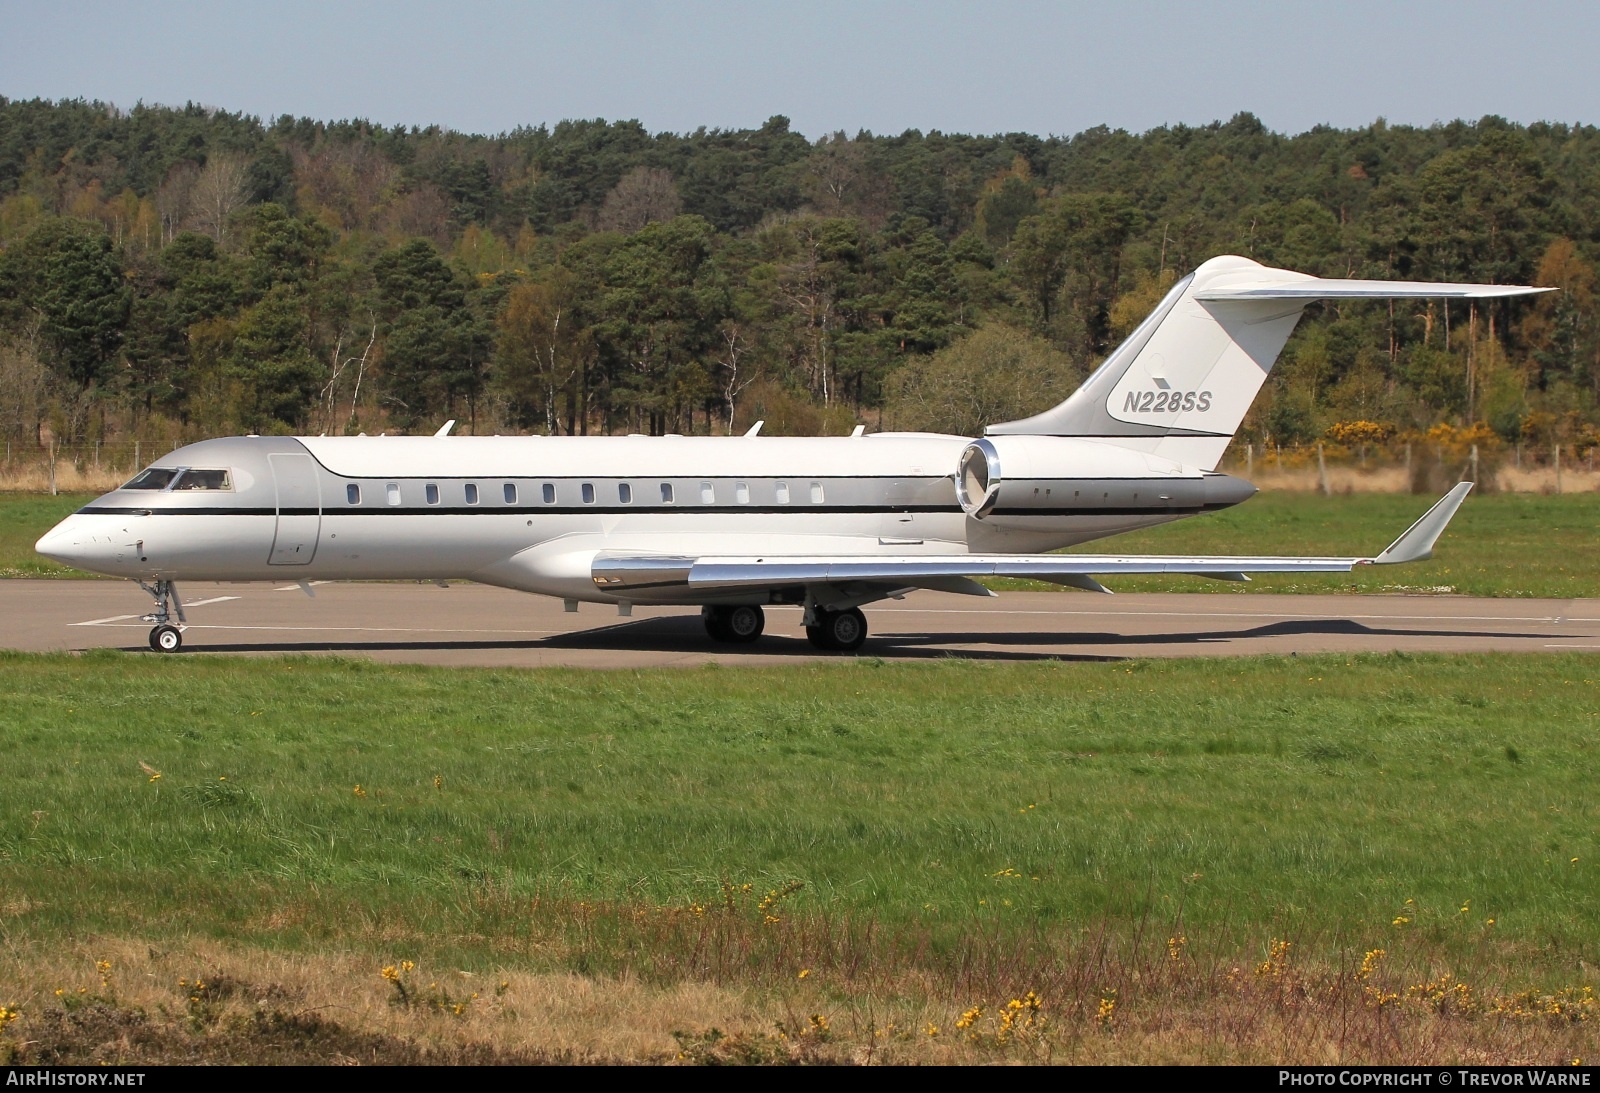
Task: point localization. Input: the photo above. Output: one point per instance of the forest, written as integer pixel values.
(173, 273)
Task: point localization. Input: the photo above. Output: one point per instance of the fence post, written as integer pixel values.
(1322, 472)
(1558, 468)
(52, 468)
(1474, 462)
(135, 457)
(1249, 460)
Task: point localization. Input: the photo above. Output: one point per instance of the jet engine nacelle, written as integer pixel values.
(1017, 480)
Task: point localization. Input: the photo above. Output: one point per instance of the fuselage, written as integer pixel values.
(531, 513)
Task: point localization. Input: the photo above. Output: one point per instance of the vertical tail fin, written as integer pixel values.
(1181, 383)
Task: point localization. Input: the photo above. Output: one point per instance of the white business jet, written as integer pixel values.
(733, 524)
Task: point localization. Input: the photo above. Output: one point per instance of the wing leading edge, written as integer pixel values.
(625, 572)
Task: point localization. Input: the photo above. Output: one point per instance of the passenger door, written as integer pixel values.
(299, 509)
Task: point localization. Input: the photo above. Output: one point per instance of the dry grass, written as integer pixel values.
(1340, 479)
(120, 1000)
(1543, 480)
(88, 478)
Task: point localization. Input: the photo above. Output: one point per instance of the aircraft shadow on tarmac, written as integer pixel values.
(684, 634)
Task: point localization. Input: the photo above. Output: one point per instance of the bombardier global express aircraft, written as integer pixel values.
(733, 524)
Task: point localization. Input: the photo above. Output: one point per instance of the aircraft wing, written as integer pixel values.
(621, 572)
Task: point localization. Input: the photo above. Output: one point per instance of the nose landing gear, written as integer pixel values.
(164, 636)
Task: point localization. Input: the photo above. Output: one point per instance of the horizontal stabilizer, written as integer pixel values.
(1332, 289)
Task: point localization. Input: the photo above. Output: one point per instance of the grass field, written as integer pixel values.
(1184, 860)
(23, 518)
(1507, 544)
(1499, 545)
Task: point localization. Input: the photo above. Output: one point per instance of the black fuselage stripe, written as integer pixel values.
(660, 510)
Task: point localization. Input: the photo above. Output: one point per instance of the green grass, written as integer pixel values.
(23, 518)
(1308, 796)
(1509, 544)
(1498, 545)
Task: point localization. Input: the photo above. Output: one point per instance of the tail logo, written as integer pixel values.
(1165, 402)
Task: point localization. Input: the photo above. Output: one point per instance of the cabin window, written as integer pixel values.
(708, 494)
(195, 479)
(783, 493)
(625, 493)
(816, 493)
(549, 493)
(510, 492)
(352, 493)
(151, 478)
(472, 493)
(741, 493)
(588, 493)
(393, 492)
(666, 493)
(430, 493)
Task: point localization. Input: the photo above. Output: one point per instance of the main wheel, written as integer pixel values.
(839, 631)
(744, 623)
(737, 624)
(716, 620)
(166, 638)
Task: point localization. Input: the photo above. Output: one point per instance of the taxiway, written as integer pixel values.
(467, 624)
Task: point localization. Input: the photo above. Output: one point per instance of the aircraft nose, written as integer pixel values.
(61, 543)
(73, 542)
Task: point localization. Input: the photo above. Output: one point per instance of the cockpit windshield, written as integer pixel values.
(151, 478)
(195, 479)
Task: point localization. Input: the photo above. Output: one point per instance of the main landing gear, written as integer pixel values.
(836, 631)
(740, 623)
(165, 637)
(833, 631)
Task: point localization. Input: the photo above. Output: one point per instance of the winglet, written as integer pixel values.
(1417, 543)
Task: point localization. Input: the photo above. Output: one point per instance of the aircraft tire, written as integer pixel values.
(839, 631)
(716, 620)
(744, 623)
(166, 638)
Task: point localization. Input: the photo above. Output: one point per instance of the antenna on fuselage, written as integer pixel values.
(444, 430)
(755, 430)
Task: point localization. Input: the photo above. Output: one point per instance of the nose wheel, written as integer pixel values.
(165, 637)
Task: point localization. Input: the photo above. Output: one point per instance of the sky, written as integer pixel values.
(885, 66)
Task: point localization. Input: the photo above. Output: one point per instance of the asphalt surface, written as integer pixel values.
(474, 625)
